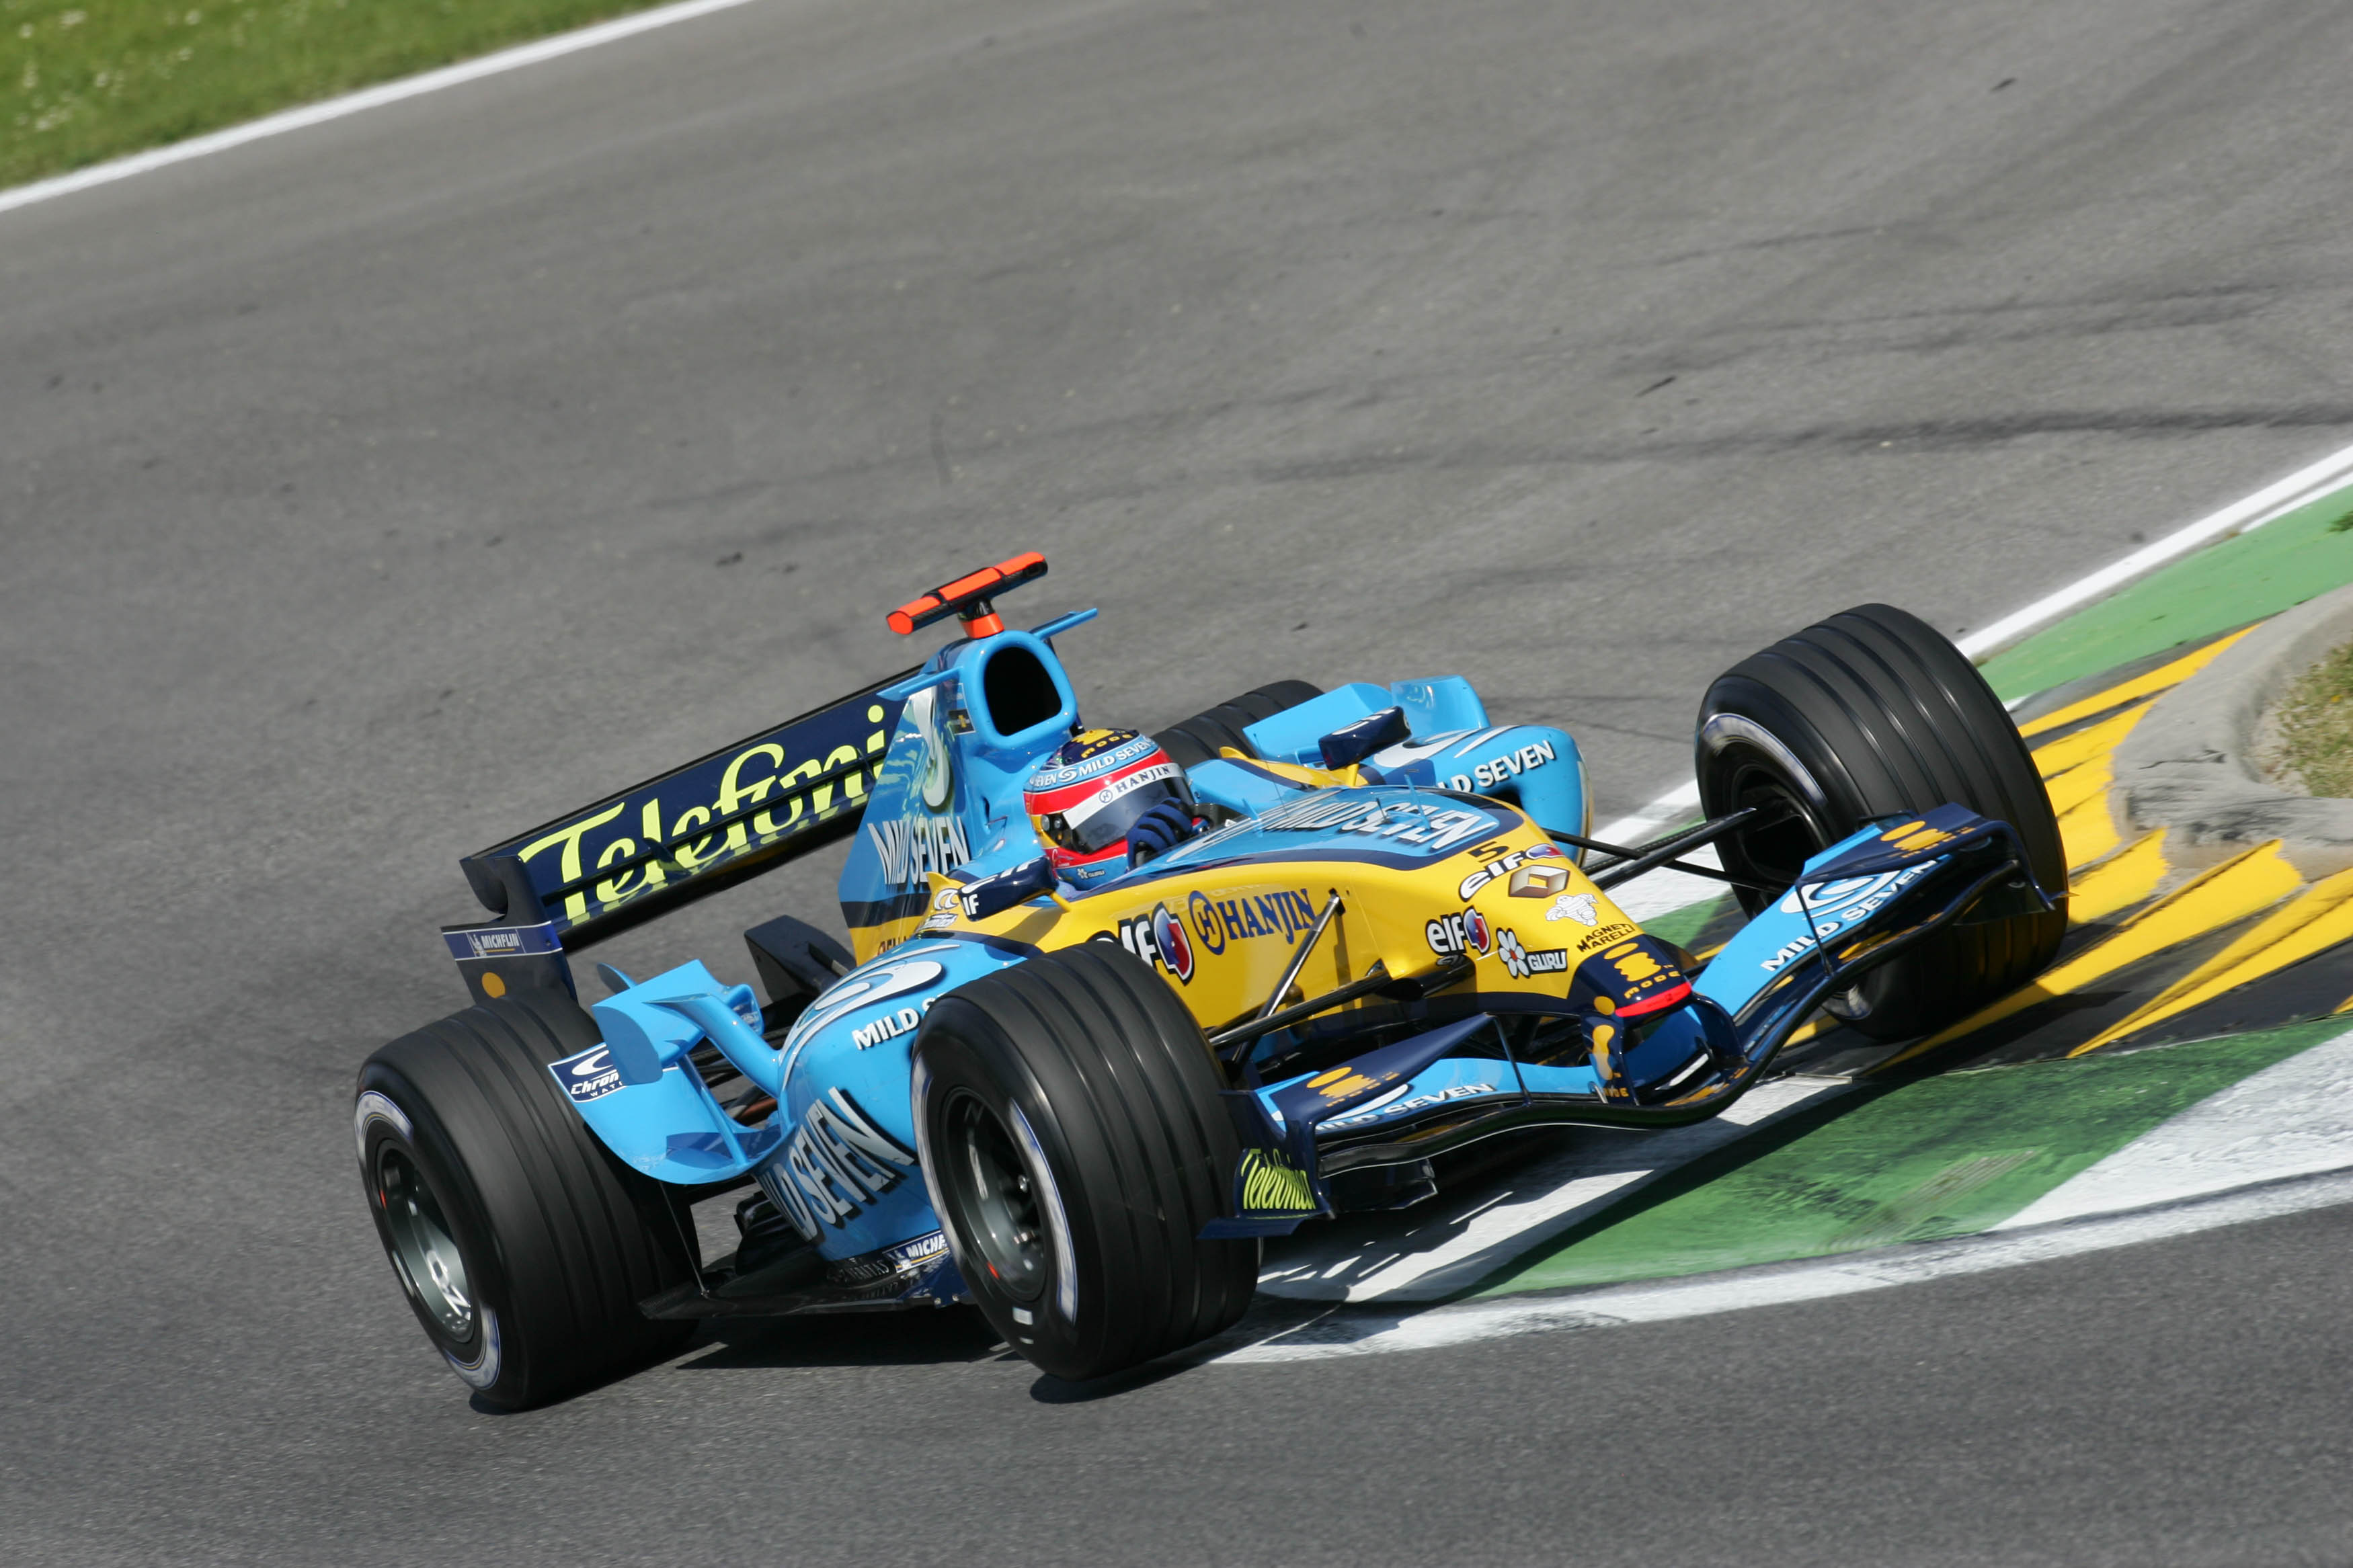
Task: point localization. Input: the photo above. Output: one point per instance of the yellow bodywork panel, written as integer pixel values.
(1526, 923)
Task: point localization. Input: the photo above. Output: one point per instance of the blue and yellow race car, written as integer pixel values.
(1116, 1007)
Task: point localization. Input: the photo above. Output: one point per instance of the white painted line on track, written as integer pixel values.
(1665, 809)
(1649, 897)
(2293, 1119)
(365, 98)
(1356, 1330)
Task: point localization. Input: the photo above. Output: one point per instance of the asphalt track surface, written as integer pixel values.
(370, 493)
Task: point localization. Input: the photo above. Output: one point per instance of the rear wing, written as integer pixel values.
(644, 851)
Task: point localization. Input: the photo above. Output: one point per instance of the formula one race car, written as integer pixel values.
(1073, 1077)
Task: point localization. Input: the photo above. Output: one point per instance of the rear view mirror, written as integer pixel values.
(1354, 742)
(986, 896)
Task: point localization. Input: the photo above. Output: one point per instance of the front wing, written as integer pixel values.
(1388, 1113)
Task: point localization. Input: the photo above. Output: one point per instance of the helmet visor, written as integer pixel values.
(1103, 817)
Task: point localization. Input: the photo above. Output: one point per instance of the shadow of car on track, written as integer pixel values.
(947, 1336)
(951, 1336)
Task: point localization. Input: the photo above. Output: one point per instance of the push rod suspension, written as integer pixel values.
(1442, 974)
(1662, 852)
(1299, 959)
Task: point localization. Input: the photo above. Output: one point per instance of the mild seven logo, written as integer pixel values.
(1822, 898)
(835, 1163)
(911, 848)
(1426, 827)
(890, 1025)
(1833, 907)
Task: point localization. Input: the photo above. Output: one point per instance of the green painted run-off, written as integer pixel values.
(2279, 565)
(1877, 1166)
(1685, 925)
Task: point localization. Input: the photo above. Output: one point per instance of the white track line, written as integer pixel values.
(1356, 1330)
(368, 98)
(2293, 1119)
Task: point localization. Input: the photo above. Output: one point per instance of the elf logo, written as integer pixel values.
(1466, 932)
(1160, 941)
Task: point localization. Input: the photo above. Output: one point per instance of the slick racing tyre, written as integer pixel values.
(522, 1244)
(1074, 1147)
(1200, 737)
(1869, 713)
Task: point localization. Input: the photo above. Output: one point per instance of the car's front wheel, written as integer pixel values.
(1074, 1146)
(1868, 713)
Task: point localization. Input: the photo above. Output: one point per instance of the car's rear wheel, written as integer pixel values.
(521, 1244)
(1201, 737)
(1074, 1146)
(1868, 713)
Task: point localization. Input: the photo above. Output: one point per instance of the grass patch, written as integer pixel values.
(2312, 728)
(85, 81)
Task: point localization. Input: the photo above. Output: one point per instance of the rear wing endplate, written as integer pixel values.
(644, 851)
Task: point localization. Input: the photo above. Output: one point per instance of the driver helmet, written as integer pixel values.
(1084, 797)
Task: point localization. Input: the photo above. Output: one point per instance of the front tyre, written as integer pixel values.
(521, 1244)
(1870, 713)
(1074, 1147)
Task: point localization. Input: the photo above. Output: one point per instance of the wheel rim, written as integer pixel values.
(993, 1197)
(1779, 853)
(431, 1267)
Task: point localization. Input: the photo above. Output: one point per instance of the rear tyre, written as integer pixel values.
(1200, 737)
(1074, 1147)
(1869, 713)
(522, 1245)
